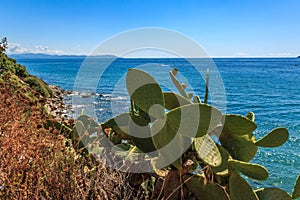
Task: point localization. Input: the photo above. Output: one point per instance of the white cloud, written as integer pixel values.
(14, 48)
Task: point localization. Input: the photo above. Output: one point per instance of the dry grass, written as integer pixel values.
(36, 163)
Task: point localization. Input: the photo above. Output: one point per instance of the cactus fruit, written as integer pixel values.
(238, 125)
(145, 92)
(173, 100)
(239, 188)
(251, 116)
(275, 138)
(196, 99)
(207, 150)
(203, 189)
(272, 193)
(296, 192)
(253, 171)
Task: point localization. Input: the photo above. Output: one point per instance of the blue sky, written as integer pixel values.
(228, 28)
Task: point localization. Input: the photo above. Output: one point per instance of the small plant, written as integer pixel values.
(205, 168)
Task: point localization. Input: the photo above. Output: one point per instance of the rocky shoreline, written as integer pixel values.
(56, 105)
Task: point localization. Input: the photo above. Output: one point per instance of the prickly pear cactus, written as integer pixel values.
(179, 129)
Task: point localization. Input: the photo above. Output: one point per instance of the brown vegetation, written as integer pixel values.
(36, 163)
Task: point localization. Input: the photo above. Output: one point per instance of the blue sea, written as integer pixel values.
(270, 87)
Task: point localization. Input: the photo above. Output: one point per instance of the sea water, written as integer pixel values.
(270, 87)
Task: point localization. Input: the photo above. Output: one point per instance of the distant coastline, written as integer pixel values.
(56, 56)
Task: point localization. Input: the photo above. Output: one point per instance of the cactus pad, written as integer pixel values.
(145, 92)
(203, 189)
(272, 193)
(173, 100)
(240, 147)
(238, 125)
(275, 138)
(253, 171)
(240, 189)
(296, 192)
(207, 150)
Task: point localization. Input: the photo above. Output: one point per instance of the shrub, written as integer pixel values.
(38, 85)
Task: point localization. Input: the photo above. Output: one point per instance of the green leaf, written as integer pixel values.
(240, 189)
(253, 171)
(207, 150)
(296, 192)
(204, 190)
(238, 125)
(173, 100)
(240, 147)
(275, 138)
(272, 193)
(145, 92)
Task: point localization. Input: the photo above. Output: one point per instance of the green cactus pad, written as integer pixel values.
(207, 150)
(178, 85)
(204, 190)
(296, 192)
(275, 138)
(118, 124)
(169, 144)
(238, 125)
(224, 156)
(194, 120)
(240, 189)
(145, 92)
(173, 100)
(272, 193)
(144, 142)
(253, 171)
(240, 147)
